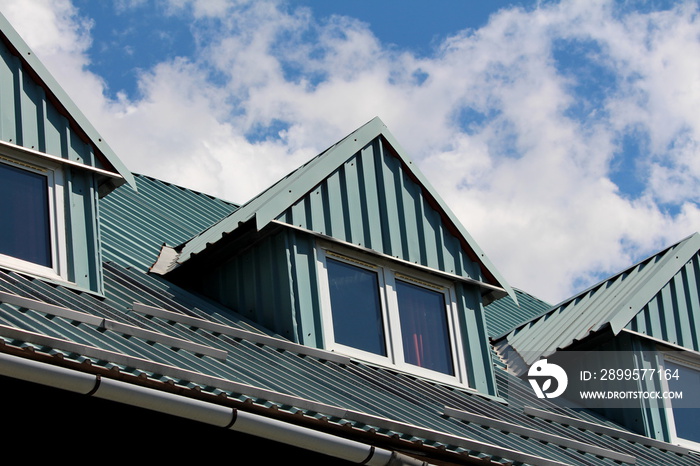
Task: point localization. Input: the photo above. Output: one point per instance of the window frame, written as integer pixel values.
(57, 237)
(689, 361)
(388, 273)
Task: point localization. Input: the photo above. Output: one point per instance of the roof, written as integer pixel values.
(153, 335)
(149, 333)
(150, 343)
(614, 304)
(54, 93)
(136, 224)
(505, 314)
(270, 205)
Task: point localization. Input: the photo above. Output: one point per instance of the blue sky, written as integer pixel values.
(129, 39)
(564, 134)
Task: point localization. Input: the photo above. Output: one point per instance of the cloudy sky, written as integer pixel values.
(564, 134)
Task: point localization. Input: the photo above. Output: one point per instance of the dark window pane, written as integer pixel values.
(424, 331)
(685, 410)
(356, 309)
(24, 215)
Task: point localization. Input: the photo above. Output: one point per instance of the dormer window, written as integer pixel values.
(29, 195)
(386, 313)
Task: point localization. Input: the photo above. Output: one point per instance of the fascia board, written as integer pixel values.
(63, 100)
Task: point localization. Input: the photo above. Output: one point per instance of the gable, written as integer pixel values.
(373, 202)
(363, 191)
(673, 314)
(54, 165)
(657, 296)
(36, 114)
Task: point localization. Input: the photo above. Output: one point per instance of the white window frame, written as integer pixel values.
(387, 274)
(55, 183)
(692, 362)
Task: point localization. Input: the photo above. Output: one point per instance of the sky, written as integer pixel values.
(564, 135)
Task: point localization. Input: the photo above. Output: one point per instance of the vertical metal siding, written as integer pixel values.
(475, 344)
(673, 315)
(261, 284)
(29, 119)
(372, 202)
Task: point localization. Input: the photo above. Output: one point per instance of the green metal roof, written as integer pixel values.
(45, 111)
(638, 298)
(149, 332)
(505, 314)
(135, 225)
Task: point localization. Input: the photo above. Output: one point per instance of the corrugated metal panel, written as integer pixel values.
(613, 302)
(135, 224)
(275, 283)
(39, 122)
(260, 286)
(374, 400)
(350, 175)
(503, 315)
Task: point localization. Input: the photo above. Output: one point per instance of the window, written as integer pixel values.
(356, 307)
(424, 333)
(28, 237)
(389, 314)
(684, 377)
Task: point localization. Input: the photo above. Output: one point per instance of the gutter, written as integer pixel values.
(201, 411)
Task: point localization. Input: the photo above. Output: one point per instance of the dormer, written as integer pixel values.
(53, 168)
(355, 253)
(636, 336)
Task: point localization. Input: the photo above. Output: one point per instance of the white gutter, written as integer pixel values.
(200, 411)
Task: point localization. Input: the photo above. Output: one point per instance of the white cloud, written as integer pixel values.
(494, 117)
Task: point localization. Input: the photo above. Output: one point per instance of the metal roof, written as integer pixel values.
(503, 315)
(149, 332)
(174, 338)
(617, 301)
(136, 224)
